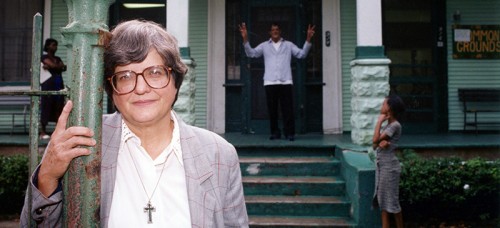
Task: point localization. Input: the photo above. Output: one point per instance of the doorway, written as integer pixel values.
(246, 108)
(414, 40)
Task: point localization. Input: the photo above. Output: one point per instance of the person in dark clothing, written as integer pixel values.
(51, 106)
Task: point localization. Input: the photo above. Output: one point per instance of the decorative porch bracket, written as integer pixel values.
(86, 35)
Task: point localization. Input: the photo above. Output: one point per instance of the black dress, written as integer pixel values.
(51, 106)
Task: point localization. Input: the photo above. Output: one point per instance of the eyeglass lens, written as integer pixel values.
(156, 77)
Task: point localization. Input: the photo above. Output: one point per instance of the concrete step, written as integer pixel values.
(289, 166)
(294, 186)
(298, 205)
(302, 221)
(293, 150)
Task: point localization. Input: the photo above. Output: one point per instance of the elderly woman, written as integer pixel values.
(156, 170)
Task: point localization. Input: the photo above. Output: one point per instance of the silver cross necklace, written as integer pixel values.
(149, 207)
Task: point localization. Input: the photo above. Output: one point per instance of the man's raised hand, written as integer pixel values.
(310, 32)
(243, 31)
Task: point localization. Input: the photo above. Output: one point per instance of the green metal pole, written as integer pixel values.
(84, 35)
(35, 85)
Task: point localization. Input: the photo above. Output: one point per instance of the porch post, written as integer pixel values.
(178, 25)
(332, 63)
(85, 35)
(369, 72)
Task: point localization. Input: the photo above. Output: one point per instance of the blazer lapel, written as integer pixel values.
(202, 200)
(111, 135)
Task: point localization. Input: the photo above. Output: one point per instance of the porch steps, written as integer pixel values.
(294, 187)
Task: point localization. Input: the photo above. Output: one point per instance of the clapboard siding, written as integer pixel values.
(198, 43)
(466, 72)
(348, 46)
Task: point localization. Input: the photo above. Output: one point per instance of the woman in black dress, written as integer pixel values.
(51, 105)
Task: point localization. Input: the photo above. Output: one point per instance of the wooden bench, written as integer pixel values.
(479, 100)
(16, 106)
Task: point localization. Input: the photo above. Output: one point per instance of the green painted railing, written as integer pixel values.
(34, 111)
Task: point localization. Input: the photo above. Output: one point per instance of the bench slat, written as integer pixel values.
(479, 95)
(478, 100)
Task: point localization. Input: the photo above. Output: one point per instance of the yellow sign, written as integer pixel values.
(476, 41)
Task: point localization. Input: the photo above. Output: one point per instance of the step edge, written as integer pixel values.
(292, 179)
(288, 160)
(300, 220)
(254, 199)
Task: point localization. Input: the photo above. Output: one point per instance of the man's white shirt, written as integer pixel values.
(276, 46)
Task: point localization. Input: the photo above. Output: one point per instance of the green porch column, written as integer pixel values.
(369, 71)
(86, 35)
(369, 87)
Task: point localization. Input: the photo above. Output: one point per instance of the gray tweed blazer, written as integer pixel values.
(213, 179)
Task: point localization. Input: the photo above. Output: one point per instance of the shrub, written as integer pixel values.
(13, 182)
(450, 188)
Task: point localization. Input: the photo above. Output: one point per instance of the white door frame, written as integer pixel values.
(332, 68)
(216, 64)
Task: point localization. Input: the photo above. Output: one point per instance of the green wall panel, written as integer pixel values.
(348, 47)
(468, 72)
(198, 43)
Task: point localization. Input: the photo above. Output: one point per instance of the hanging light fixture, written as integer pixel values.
(143, 5)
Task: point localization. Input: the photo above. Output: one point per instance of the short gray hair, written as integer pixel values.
(131, 42)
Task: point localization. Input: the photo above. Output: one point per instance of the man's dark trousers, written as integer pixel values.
(280, 95)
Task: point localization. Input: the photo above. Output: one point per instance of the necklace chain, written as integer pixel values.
(138, 174)
(149, 207)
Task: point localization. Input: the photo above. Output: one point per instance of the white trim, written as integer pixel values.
(364, 62)
(216, 63)
(47, 9)
(332, 70)
(178, 25)
(369, 22)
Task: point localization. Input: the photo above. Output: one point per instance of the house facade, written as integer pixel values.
(413, 43)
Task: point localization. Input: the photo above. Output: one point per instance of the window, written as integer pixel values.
(16, 26)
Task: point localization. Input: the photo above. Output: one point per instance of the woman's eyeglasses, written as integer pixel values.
(157, 77)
